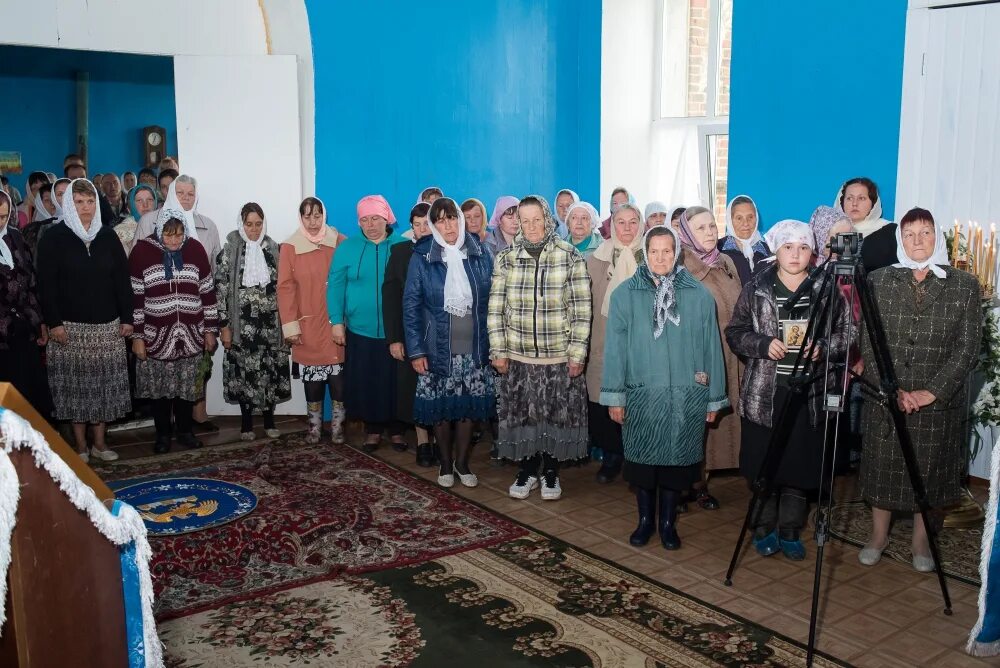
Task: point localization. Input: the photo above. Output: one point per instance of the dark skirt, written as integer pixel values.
(406, 388)
(802, 462)
(369, 379)
(605, 433)
(648, 476)
(21, 366)
(465, 394)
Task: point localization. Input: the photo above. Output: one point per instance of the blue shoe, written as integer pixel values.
(793, 549)
(767, 545)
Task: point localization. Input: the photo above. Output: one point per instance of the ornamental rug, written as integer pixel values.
(960, 547)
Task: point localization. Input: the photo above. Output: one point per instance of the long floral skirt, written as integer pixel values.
(542, 410)
(88, 375)
(167, 379)
(465, 394)
(258, 376)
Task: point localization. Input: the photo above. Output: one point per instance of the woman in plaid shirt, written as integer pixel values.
(539, 327)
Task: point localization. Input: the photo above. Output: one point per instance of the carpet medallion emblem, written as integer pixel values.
(172, 506)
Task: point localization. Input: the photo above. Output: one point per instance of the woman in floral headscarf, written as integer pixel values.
(539, 327)
(663, 380)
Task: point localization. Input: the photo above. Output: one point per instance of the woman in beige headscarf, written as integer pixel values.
(609, 266)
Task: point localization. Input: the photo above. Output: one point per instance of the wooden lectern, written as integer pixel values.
(64, 596)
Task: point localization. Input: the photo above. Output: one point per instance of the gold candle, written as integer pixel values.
(954, 243)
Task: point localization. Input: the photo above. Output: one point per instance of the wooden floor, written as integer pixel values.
(887, 615)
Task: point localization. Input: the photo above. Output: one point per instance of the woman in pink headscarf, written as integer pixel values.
(699, 236)
(354, 300)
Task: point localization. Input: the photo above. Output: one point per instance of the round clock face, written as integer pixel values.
(154, 139)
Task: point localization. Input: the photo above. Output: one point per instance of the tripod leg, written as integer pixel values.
(743, 534)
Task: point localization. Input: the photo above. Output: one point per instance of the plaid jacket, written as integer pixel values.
(540, 309)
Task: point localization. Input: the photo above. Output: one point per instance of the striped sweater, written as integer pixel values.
(172, 316)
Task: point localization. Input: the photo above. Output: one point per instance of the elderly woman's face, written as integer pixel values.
(185, 195)
(86, 206)
(857, 203)
(619, 198)
(744, 220)
(508, 222)
(626, 223)
(173, 238)
(794, 257)
(447, 227)
(656, 219)
(579, 224)
(704, 230)
(661, 254)
(4, 213)
(532, 222)
(312, 220)
(563, 203)
(253, 226)
(373, 227)
(474, 220)
(420, 226)
(144, 202)
(918, 239)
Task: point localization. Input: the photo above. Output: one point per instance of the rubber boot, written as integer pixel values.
(668, 519)
(338, 415)
(646, 500)
(314, 410)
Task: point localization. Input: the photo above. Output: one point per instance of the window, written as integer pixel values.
(693, 102)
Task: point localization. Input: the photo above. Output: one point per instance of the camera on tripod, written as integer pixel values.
(846, 245)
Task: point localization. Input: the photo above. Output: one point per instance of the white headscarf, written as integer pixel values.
(937, 259)
(55, 200)
(595, 218)
(72, 218)
(789, 232)
(171, 202)
(872, 222)
(6, 257)
(622, 269)
(255, 271)
(747, 246)
(40, 212)
(656, 206)
(457, 290)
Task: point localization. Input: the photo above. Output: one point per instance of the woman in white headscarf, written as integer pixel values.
(744, 245)
(611, 265)
(932, 318)
(444, 318)
(582, 220)
(183, 196)
(656, 214)
(43, 217)
(255, 368)
(859, 199)
(86, 296)
(565, 198)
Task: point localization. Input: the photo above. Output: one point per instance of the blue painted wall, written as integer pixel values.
(816, 91)
(38, 117)
(480, 98)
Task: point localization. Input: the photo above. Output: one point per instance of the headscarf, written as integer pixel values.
(595, 218)
(420, 197)
(72, 218)
(550, 224)
(319, 236)
(665, 299)
(39, 212)
(622, 268)
(131, 199)
(255, 271)
(707, 255)
(937, 259)
(503, 203)
(457, 290)
(824, 219)
(611, 200)
(375, 205)
(172, 260)
(753, 245)
(789, 232)
(872, 222)
(6, 257)
(656, 206)
(55, 200)
(171, 202)
(560, 223)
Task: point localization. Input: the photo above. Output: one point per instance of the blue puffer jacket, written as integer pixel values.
(426, 324)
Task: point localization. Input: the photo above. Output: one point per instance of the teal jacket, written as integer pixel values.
(354, 287)
(666, 385)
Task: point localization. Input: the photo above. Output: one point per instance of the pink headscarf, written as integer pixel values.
(504, 202)
(319, 236)
(375, 205)
(687, 238)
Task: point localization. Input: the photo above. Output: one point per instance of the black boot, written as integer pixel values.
(425, 455)
(162, 444)
(646, 500)
(668, 519)
(189, 441)
(610, 467)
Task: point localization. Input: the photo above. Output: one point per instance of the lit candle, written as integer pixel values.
(954, 243)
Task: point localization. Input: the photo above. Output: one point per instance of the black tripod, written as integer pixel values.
(805, 373)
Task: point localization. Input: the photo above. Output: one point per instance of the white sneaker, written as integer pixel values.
(447, 480)
(468, 479)
(107, 455)
(551, 490)
(523, 484)
(246, 436)
(272, 433)
(84, 456)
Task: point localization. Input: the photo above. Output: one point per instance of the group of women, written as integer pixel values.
(649, 335)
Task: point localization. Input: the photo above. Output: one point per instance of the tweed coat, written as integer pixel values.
(934, 345)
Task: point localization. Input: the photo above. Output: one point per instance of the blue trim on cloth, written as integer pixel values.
(990, 614)
(134, 636)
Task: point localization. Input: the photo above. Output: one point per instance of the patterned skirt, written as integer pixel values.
(465, 394)
(258, 377)
(88, 375)
(542, 410)
(167, 379)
